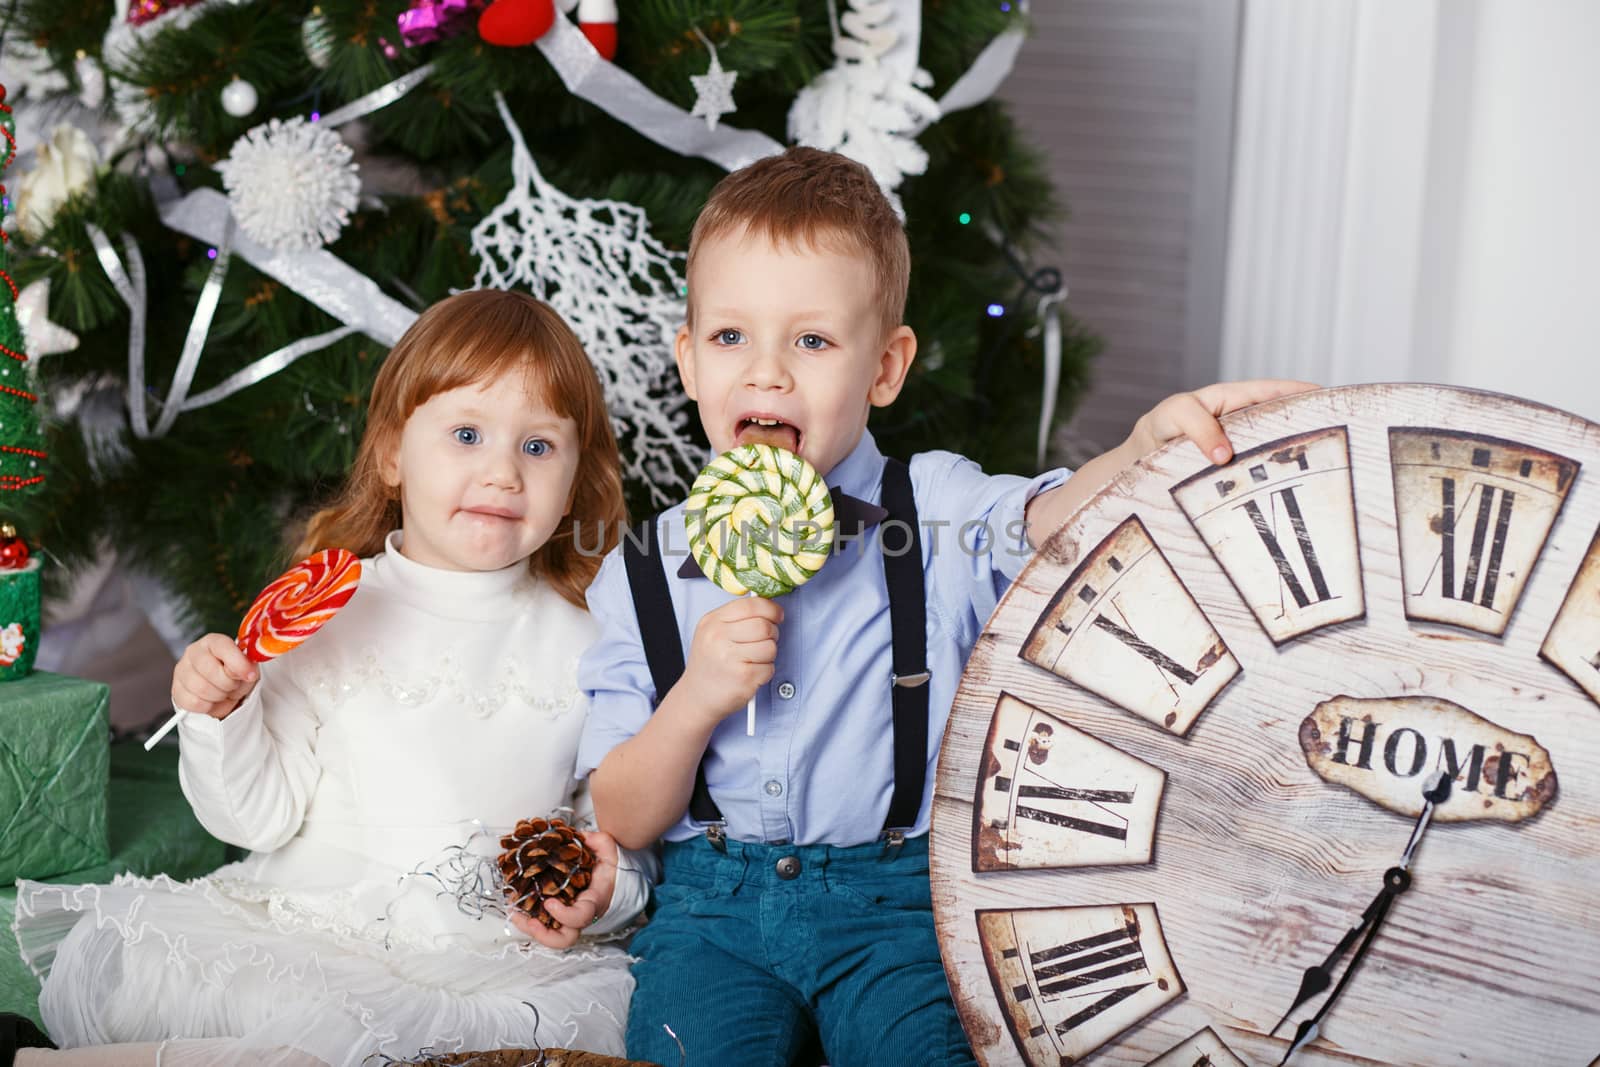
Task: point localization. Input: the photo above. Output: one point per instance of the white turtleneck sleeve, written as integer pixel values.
(250, 776)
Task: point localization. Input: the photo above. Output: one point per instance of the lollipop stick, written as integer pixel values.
(750, 710)
(155, 738)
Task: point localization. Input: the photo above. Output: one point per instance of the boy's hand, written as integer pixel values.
(1194, 415)
(733, 654)
(213, 677)
(590, 904)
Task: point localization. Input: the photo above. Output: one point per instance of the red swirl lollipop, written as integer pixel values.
(296, 605)
(291, 609)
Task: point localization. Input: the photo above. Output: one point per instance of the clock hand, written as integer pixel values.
(1436, 792)
(1319, 976)
(1396, 881)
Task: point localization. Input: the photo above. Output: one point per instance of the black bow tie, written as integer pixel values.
(850, 514)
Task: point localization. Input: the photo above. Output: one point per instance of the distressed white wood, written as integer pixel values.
(1493, 955)
(1281, 520)
(1053, 796)
(1204, 1049)
(1122, 625)
(1573, 643)
(1071, 979)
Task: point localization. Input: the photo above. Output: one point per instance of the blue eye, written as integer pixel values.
(812, 342)
(466, 435)
(535, 446)
(727, 337)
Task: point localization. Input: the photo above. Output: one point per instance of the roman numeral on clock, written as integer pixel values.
(1280, 520)
(1573, 643)
(1449, 519)
(1201, 1049)
(1071, 979)
(1473, 513)
(1119, 831)
(1123, 626)
(1280, 559)
(1051, 795)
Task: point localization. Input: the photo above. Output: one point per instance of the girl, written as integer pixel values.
(440, 700)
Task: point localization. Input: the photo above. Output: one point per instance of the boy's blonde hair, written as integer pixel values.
(463, 340)
(812, 198)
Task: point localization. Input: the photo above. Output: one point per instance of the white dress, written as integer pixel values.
(434, 710)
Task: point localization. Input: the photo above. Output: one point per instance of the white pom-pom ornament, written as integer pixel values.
(292, 184)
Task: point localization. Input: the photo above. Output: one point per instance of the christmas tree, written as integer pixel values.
(275, 189)
(22, 446)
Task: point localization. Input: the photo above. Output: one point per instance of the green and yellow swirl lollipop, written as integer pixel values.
(760, 523)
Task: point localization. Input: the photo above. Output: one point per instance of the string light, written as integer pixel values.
(996, 310)
(964, 218)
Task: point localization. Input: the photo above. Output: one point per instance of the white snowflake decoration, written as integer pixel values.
(619, 289)
(862, 107)
(713, 92)
(292, 184)
(11, 644)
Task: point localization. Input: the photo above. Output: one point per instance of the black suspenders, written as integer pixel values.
(900, 539)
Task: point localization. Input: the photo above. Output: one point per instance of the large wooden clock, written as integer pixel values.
(1316, 729)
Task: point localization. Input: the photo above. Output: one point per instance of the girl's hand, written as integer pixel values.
(213, 677)
(585, 911)
(1194, 415)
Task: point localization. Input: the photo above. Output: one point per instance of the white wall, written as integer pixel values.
(1417, 195)
(1525, 317)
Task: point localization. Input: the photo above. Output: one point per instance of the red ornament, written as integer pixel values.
(143, 11)
(514, 23)
(13, 550)
(598, 21)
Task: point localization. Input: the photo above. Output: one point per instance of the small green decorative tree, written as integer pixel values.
(21, 457)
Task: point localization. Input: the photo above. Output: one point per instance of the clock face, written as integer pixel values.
(1191, 749)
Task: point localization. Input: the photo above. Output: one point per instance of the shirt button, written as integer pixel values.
(788, 868)
(786, 690)
(774, 788)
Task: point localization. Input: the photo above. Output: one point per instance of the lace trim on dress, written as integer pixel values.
(550, 697)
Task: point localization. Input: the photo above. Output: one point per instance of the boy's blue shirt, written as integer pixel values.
(819, 769)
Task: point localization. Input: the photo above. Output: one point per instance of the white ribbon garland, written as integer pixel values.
(1050, 323)
(319, 276)
(589, 75)
(133, 292)
(983, 78)
(379, 98)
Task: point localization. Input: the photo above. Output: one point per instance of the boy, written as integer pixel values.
(795, 905)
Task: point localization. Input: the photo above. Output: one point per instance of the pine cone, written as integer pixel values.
(544, 858)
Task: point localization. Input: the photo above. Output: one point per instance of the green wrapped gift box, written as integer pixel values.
(54, 764)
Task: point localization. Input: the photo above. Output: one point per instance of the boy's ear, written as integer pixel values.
(893, 365)
(683, 352)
